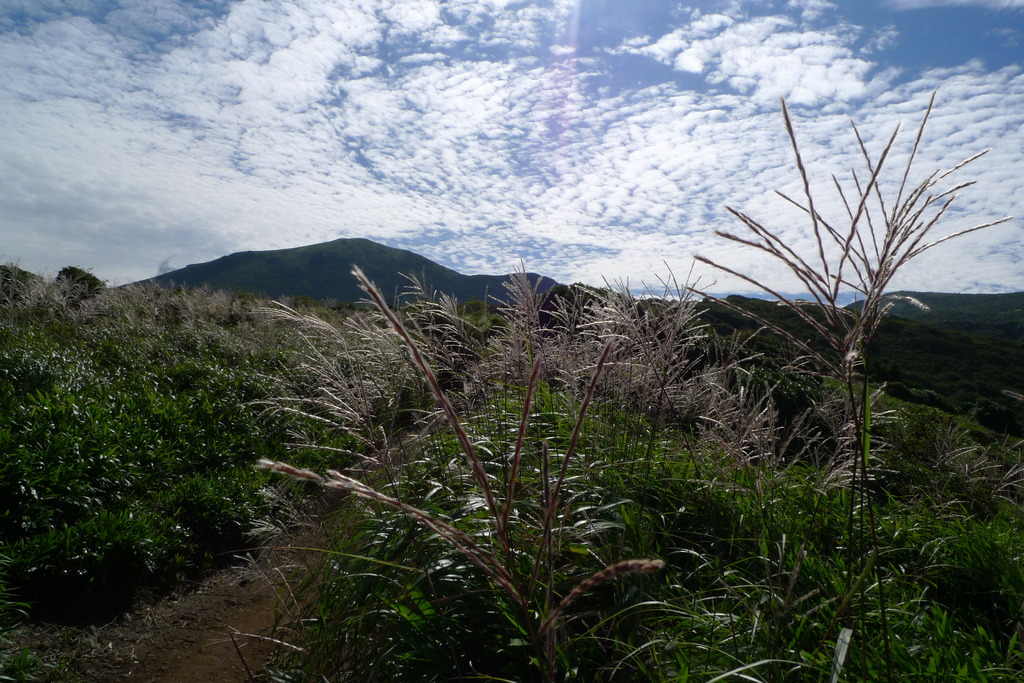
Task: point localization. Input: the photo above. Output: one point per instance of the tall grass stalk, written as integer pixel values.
(880, 237)
(531, 591)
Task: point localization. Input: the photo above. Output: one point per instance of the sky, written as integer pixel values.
(596, 141)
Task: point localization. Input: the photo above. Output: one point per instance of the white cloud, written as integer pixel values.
(1006, 36)
(881, 39)
(766, 58)
(413, 16)
(811, 10)
(922, 4)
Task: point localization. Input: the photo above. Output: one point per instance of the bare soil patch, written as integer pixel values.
(218, 630)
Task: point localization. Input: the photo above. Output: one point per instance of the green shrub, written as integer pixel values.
(81, 285)
(126, 443)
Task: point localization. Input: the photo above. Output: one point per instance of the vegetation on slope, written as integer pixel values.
(997, 315)
(515, 536)
(133, 418)
(129, 425)
(926, 363)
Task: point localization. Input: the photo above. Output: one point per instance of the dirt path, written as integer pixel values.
(216, 631)
(188, 638)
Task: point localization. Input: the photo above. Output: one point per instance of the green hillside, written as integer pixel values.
(997, 315)
(932, 363)
(324, 271)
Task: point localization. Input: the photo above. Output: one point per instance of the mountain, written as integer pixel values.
(324, 271)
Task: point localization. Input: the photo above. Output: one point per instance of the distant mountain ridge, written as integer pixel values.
(324, 271)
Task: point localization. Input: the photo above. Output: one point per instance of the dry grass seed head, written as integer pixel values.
(861, 258)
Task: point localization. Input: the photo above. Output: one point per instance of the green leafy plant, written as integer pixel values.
(126, 443)
(15, 663)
